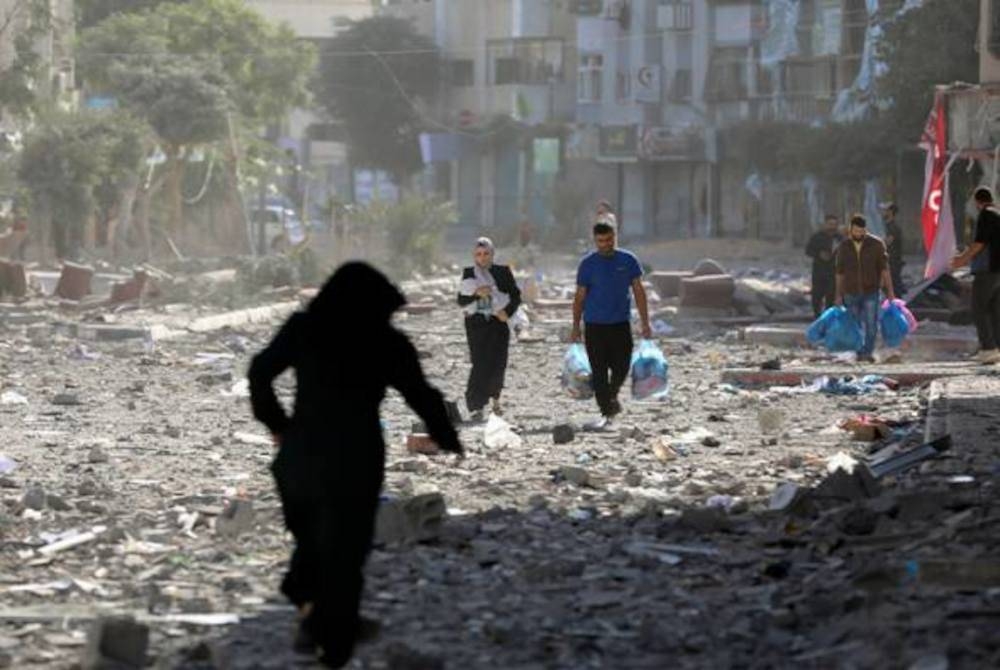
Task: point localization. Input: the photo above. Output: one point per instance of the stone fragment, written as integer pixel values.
(421, 443)
(115, 643)
(57, 503)
(574, 475)
(97, 455)
(66, 399)
(237, 518)
(563, 433)
(34, 498)
(13, 279)
(842, 485)
(707, 267)
(416, 519)
(705, 519)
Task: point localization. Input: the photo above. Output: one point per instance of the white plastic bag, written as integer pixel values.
(498, 434)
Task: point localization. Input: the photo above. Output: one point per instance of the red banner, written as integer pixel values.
(935, 214)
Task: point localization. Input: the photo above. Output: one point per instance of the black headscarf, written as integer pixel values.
(356, 294)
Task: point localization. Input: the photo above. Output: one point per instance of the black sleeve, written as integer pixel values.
(464, 300)
(265, 367)
(512, 290)
(814, 246)
(982, 229)
(407, 377)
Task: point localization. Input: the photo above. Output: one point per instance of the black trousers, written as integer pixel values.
(609, 348)
(333, 536)
(986, 308)
(489, 342)
(824, 292)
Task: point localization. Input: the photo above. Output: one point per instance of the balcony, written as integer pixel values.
(791, 108)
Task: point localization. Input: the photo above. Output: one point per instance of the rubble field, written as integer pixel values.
(726, 527)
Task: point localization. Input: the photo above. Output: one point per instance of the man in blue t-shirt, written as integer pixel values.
(602, 302)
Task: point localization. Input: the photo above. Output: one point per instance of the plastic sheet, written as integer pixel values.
(896, 322)
(837, 330)
(576, 373)
(650, 372)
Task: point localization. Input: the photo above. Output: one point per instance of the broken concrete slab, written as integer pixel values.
(243, 317)
(714, 291)
(668, 283)
(755, 378)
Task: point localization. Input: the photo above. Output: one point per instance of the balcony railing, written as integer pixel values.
(797, 108)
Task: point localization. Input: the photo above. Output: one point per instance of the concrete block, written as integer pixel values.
(13, 279)
(131, 290)
(668, 283)
(74, 282)
(564, 433)
(708, 291)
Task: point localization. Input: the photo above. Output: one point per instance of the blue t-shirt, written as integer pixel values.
(607, 280)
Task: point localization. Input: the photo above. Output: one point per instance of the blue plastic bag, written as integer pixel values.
(816, 332)
(576, 373)
(844, 333)
(894, 324)
(649, 372)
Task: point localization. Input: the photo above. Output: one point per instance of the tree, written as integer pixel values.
(64, 161)
(21, 24)
(914, 67)
(371, 78)
(185, 66)
(91, 12)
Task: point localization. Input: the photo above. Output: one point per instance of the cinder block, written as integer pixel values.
(74, 282)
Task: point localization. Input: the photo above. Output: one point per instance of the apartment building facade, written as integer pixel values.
(498, 127)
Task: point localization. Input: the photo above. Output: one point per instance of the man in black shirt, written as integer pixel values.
(984, 254)
(820, 248)
(894, 245)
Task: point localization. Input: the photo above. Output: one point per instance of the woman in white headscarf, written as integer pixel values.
(489, 296)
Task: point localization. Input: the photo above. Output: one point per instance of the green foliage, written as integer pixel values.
(68, 158)
(21, 24)
(836, 152)
(262, 67)
(185, 103)
(91, 12)
(371, 77)
(915, 66)
(414, 228)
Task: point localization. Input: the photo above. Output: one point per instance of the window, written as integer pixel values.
(525, 61)
(681, 85)
(728, 74)
(675, 15)
(590, 77)
(623, 87)
(463, 72)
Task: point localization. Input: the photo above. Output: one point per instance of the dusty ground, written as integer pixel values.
(632, 568)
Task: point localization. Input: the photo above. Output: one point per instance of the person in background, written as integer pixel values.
(331, 454)
(489, 296)
(894, 246)
(821, 248)
(603, 280)
(984, 255)
(863, 268)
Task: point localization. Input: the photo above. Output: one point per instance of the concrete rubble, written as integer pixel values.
(733, 525)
